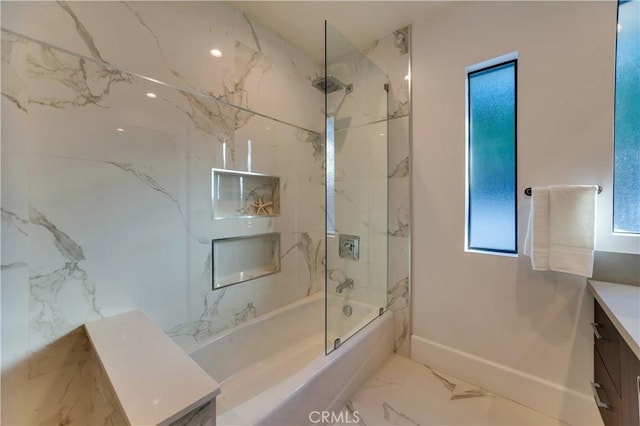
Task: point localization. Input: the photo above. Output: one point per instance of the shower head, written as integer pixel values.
(330, 84)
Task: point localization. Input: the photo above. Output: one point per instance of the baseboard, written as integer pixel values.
(547, 397)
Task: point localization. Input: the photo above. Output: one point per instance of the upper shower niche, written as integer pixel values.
(237, 194)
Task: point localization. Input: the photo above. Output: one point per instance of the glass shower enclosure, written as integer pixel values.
(356, 151)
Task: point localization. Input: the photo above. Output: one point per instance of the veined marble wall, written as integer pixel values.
(392, 54)
(97, 220)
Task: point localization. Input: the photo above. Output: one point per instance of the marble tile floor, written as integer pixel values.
(404, 392)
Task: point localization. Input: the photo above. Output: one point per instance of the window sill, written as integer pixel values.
(493, 253)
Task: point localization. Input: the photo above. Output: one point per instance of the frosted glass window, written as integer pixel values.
(492, 159)
(626, 183)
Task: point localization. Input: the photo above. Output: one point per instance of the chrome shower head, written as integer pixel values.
(330, 84)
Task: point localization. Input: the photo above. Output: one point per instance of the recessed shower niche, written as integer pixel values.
(237, 194)
(239, 259)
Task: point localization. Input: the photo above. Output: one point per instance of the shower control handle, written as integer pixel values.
(347, 283)
(349, 246)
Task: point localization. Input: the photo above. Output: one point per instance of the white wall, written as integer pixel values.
(491, 319)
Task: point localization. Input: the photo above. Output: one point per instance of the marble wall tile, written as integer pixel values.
(15, 317)
(392, 55)
(273, 144)
(399, 147)
(256, 67)
(102, 221)
(14, 221)
(398, 293)
(399, 207)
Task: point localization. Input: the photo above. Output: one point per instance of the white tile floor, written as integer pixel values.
(404, 392)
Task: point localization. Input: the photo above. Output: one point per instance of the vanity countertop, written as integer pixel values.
(155, 381)
(621, 302)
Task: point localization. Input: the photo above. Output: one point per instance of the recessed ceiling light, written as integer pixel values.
(151, 95)
(619, 27)
(216, 53)
(120, 129)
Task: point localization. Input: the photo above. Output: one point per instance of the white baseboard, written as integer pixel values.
(542, 395)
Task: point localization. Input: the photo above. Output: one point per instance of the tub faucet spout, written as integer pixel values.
(347, 283)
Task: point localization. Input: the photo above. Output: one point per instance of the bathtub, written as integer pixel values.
(274, 371)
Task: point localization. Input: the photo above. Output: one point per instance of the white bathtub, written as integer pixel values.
(273, 370)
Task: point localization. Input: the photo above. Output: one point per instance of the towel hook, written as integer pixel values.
(527, 191)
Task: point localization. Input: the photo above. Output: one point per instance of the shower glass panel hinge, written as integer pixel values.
(336, 343)
(386, 87)
(381, 311)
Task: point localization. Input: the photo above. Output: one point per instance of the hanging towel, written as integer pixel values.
(561, 232)
(572, 224)
(536, 243)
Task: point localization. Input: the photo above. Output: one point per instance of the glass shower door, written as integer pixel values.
(356, 189)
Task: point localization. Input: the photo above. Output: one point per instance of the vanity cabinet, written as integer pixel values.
(616, 385)
(630, 392)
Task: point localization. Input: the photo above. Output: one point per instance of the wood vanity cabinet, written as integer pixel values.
(616, 385)
(630, 392)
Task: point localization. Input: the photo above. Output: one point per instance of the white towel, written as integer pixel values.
(536, 243)
(561, 234)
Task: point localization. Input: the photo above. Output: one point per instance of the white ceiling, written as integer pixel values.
(302, 22)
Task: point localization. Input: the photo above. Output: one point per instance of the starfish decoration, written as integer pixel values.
(261, 206)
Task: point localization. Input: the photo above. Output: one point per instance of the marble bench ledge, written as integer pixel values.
(154, 381)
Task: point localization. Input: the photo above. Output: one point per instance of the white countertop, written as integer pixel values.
(155, 381)
(621, 302)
